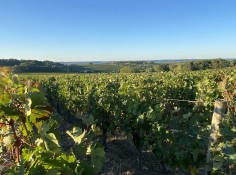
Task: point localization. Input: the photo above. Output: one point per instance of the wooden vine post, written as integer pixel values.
(219, 111)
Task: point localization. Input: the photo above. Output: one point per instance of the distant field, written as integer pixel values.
(100, 68)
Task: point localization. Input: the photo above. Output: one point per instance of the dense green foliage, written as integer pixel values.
(128, 69)
(33, 65)
(29, 134)
(141, 106)
(25, 66)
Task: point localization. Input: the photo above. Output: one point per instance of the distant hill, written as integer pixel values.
(86, 62)
(114, 62)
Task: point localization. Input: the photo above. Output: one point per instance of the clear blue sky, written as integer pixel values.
(86, 30)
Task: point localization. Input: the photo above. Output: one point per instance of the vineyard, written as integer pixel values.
(168, 114)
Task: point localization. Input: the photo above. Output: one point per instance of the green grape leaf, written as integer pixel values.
(79, 150)
(53, 172)
(52, 138)
(38, 98)
(97, 158)
(78, 137)
(88, 120)
(217, 162)
(9, 110)
(68, 158)
(5, 97)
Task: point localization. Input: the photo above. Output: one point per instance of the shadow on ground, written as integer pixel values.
(122, 158)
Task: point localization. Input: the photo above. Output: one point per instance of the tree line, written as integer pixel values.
(27, 66)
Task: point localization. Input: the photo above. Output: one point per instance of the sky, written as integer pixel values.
(115, 30)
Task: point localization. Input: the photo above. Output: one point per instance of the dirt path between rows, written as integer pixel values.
(122, 158)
